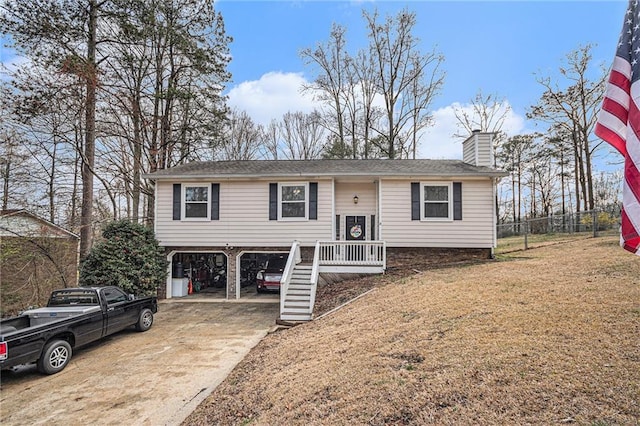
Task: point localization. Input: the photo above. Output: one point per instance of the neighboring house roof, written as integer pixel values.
(22, 223)
(317, 168)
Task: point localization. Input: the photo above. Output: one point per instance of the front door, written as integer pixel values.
(356, 227)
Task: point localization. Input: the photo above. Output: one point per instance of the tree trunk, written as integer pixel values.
(588, 173)
(576, 171)
(86, 219)
(52, 175)
(137, 157)
(6, 173)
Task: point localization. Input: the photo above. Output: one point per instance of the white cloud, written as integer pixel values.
(277, 93)
(438, 141)
(272, 96)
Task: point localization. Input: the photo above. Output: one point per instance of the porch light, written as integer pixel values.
(355, 199)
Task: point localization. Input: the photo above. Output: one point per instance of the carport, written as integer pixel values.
(198, 272)
(216, 274)
(251, 262)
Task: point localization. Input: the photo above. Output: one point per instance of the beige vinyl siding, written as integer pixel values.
(484, 149)
(477, 150)
(469, 151)
(475, 230)
(367, 202)
(244, 219)
(366, 193)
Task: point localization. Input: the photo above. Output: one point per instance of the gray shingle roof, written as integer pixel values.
(318, 168)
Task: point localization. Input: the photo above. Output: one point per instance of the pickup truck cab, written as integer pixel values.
(72, 318)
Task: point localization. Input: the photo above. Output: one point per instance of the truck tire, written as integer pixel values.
(145, 320)
(55, 357)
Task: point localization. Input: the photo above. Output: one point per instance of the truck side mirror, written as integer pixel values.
(132, 297)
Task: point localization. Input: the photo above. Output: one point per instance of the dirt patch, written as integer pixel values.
(546, 336)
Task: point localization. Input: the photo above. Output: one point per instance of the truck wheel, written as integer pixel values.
(55, 357)
(145, 320)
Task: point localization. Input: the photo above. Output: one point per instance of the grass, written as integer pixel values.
(517, 242)
(546, 336)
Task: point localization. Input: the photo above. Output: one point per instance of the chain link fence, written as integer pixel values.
(553, 229)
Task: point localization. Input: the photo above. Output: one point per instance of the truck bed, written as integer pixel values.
(49, 314)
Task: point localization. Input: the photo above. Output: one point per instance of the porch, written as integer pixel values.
(300, 280)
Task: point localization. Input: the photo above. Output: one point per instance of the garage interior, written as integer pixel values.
(199, 273)
(206, 274)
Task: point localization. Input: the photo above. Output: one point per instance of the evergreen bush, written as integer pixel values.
(129, 257)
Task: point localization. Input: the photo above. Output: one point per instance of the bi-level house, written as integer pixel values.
(218, 220)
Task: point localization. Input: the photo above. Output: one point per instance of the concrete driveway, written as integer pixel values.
(152, 378)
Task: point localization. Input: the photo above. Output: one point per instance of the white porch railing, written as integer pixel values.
(294, 258)
(352, 253)
(299, 282)
(315, 270)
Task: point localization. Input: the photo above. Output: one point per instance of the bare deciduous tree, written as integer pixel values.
(574, 110)
(329, 85)
(399, 67)
(302, 135)
(241, 138)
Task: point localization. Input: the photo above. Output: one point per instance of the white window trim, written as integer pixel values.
(424, 218)
(306, 202)
(183, 202)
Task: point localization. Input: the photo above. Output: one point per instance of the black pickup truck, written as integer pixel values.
(73, 317)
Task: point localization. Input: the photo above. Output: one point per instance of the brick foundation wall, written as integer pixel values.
(398, 257)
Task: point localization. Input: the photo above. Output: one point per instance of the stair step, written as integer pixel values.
(297, 297)
(290, 316)
(296, 303)
(303, 276)
(307, 296)
(299, 286)
(297, 300)
(296, 310)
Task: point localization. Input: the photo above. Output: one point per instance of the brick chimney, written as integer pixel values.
(477, 149)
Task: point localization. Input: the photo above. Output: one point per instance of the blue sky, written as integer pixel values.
(496, 47)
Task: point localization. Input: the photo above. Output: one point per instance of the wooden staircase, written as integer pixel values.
(297, 298)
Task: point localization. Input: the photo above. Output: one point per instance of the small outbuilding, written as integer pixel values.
(36, 257)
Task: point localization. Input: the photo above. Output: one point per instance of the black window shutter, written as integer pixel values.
(177, 200)
(415, 201)
(373, 227)
(337, 227)
(457, 200)
(313, 200)
(215, 201)
(273, 201)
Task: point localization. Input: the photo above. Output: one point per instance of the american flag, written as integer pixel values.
(619, 123)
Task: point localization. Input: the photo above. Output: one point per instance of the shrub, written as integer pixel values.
(605, 221)
(129, 257)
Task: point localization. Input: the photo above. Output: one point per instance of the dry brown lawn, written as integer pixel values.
(546, 336)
